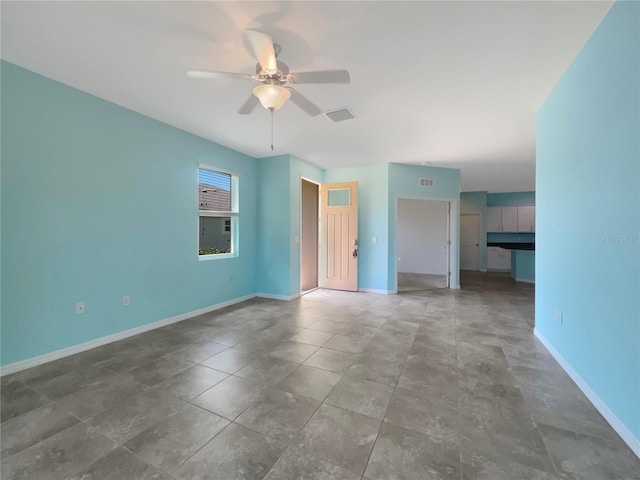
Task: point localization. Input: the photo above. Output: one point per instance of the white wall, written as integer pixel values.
(422, 235)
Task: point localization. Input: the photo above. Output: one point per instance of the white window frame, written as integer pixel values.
(232, 215)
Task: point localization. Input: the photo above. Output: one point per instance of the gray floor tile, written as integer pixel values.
(231, 360)
(266, 370)
(62, 385)
(477, 467)
(341, 437)
(159, 369)
(293, 351)
(20, 399)
(230, 397)
(331, 360)
(310, 382)
(326, 325)
(404, 454)
(177, 437)
(513, 434)
(430, 415)
(198, 352)
(119, 465)
(312, 337)
(348, 344)
(58, 457)
(361, 396)
(279, 414)
(190, 383)
(297, 465)
(97, 398)
(237, 453)
(376, 369)
(136, 414)
(32, 427)
(586, 457)
(466, 356)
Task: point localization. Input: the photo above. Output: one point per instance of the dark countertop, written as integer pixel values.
(513, 246)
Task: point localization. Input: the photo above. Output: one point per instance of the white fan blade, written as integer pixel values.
(328, 76)
(262, 47)
(210, 74)
(248, 106)
(304, 103)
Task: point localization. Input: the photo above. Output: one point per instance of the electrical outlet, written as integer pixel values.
(270, 274)
(80, 307)
(374, 239)
(126, 300)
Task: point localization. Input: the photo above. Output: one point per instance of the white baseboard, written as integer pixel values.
(278, 297)
(98, 342)
(616, 424)
(376, 290)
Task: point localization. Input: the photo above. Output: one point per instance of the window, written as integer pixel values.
(218, 212)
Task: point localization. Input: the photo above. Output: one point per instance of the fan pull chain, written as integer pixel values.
(271, 129)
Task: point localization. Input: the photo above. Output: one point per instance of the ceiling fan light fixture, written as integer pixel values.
(272, 96)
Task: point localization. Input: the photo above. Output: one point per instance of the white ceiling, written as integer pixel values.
(452, 84)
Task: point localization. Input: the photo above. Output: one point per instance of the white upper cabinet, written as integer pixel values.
(509, 219)
(494, 219)
(502, 219)
(527, 219)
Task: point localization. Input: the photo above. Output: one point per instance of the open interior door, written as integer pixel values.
(339, 236)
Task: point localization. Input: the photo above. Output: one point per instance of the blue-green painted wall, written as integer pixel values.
(373, 221)
(274, 229)
(99, 202)
(523, 265)
(511, 199)
(588, 214)
(404, 183)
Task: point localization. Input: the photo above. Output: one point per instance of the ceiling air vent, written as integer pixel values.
(339, 115)
(426, 182)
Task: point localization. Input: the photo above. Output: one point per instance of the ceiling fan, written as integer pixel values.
(273, 75)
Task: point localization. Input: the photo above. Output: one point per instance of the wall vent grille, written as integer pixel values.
(426, 182)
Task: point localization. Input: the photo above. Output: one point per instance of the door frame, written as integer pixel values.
(453, 230)
(477, 214)
(306, 179)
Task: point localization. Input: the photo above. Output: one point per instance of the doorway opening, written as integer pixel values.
(309, 195)
(422, 244)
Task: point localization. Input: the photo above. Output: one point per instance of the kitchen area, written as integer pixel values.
(498, 233)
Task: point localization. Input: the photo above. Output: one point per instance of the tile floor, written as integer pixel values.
(424, 385)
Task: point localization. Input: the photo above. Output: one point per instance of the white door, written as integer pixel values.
(470, 242)
(339, 236)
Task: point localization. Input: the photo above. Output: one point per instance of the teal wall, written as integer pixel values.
(373, 221)
(588, 214)
(523, 265)
(274, 229)
(99, 202)
(476, 202)
(404, 183)
(511, 199)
